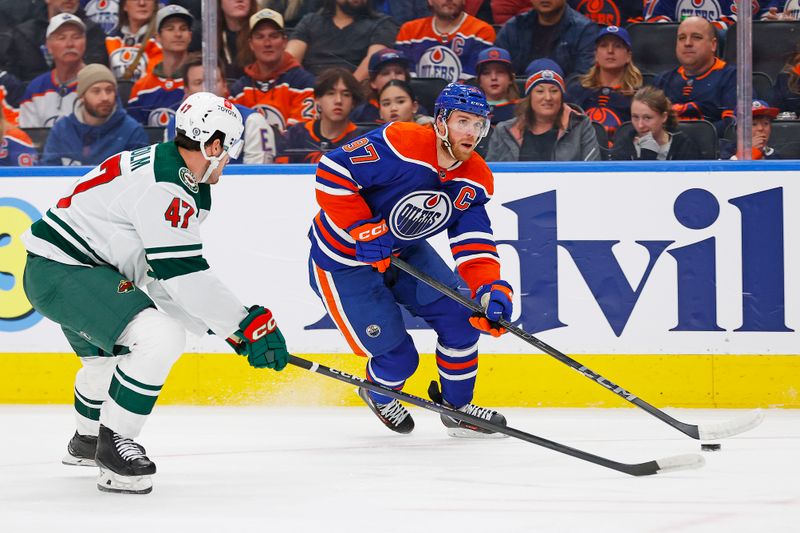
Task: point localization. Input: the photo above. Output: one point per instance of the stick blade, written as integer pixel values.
(689, 461)
(740, 424)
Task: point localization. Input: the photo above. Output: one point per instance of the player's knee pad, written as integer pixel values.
(397, 364)
(154, 334)
(450, 320)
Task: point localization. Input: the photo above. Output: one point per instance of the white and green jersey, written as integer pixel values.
(139, 212)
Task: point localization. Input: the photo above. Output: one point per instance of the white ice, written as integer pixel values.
(338, 469)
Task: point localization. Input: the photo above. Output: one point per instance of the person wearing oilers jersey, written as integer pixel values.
(721, 13)
(132, 223)
(386, 193)
(446, 44)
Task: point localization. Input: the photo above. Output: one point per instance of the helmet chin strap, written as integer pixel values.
(444, 138)
(213, 163)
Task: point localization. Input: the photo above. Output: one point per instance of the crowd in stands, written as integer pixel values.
(83, 79)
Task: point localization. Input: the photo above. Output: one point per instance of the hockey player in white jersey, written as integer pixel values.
(132, 223)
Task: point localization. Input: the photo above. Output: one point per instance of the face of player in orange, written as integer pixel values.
(397, 105)
(647, 120)
(463, 132)
(611, 53)
(267, 42)
(546, 101)
(495, 80)
(336, 104)
(696, 46)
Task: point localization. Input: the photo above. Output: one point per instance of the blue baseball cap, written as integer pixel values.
(385, 56)
(495, 54)
(616, 31)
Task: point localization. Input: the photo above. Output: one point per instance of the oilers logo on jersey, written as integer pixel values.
(121, 58)
(420, 214)
(439, 62)
(103, 13)
(600, 11)
(160, 117)
(707, 9)
(273, 115)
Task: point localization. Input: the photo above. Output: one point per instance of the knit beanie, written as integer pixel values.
(91, 74)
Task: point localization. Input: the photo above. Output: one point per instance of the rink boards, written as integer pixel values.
(679, 283)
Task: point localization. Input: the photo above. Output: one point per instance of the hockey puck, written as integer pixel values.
(711, 447)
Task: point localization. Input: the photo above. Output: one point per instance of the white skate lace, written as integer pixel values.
(127, 448)
(480, 412)
(393, 411)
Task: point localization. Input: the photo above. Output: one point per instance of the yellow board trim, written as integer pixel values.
(700, 381)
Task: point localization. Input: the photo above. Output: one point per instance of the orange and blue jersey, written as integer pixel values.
(606, 105)
(47, 100)
(123, 50)
(17, 150)
(722, 13)
(154, 100)
(285, 97)
(710, 95)
(438, 55)
(392, 172)
(609, 12)
(304, 143)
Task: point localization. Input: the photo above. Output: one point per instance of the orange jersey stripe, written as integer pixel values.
(327, 294)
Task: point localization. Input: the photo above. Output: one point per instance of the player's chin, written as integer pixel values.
(463, 151)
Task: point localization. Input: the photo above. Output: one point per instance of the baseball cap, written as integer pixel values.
(63, 18)
(385, 56)
(173, 10)
(268, 15)
(762, 109)
(543, 71)
(495, 54)
(620, 33)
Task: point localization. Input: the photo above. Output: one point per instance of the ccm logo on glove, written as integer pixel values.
(368, 232)
(260, 327)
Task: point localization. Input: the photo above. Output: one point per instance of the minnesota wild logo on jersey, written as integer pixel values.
(188, 179)
(125, 286)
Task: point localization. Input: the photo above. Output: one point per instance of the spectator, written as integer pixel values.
(605, 92)
(344, 33)
(553, 30)
(763, 115)
(274, 84)
(104, 13)
(99, 127)
(11, 93)
(132, 50)
(721, 14)
(787, 85)
(399, 103)
(16, 148)
(384, 65)
(703, 86)
(545, 128)
(337, 92)
(496, 80)
(28, 56)
(403, 11)
(259, 136)
(232, 24)
(52, 95)
(655, 134)
(609, 12)
(781, 10)
(155, 96)
(292, 10)
(503, 10)
(445, 45)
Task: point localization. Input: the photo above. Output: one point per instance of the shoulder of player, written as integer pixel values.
(171, 173)
(476, 171)
(409, 139)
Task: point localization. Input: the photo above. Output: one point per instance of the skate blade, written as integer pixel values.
(108, 481)
(464, 433)
(71, 460)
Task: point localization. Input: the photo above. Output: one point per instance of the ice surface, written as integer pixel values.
(337, 469)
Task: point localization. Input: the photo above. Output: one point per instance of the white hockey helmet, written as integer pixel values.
(202, 114)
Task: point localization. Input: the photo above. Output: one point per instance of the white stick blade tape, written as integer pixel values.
(738, 425)
(690, 461)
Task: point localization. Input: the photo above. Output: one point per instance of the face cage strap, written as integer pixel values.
(233, 152)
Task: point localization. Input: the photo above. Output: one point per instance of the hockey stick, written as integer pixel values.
(713, 431)
(668, 464)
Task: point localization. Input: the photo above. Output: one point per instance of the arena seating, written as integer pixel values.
(426, 90)
(773, 43)
(702, 132)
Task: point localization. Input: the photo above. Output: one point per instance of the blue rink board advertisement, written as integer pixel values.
(604, 258)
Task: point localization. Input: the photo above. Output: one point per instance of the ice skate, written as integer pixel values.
(393, 415)
(124, 467)
(462, 429)
(81, 450)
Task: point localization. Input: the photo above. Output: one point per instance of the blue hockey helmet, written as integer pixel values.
(459, 97)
